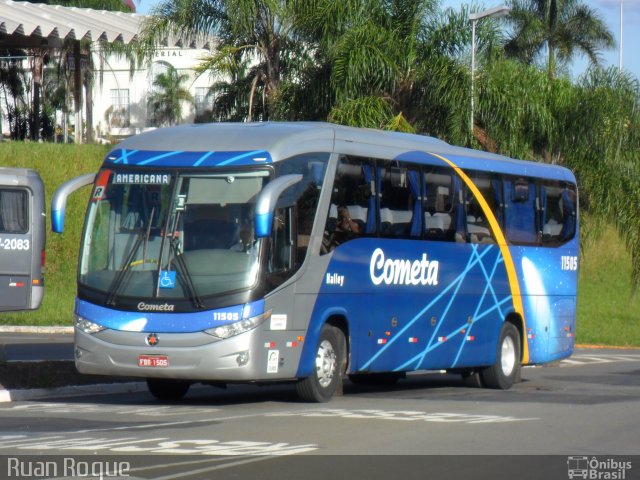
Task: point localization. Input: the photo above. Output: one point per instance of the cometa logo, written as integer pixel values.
(150, 307)
(393, 271)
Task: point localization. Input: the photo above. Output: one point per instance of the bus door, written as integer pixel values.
(22, 239)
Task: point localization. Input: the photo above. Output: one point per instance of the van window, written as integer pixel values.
(14, 210)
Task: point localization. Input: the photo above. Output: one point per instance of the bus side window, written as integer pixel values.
(305, 195)
(558, 212)
(520, 211)
(400, 206)
(478, 227)
(352, 208)
(442, 205)
(281, 254)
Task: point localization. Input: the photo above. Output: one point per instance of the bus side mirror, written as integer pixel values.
(266, 202)
(59, 200)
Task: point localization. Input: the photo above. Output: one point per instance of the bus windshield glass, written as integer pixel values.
(173, 236)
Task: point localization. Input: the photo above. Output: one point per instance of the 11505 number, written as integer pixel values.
(569, 263)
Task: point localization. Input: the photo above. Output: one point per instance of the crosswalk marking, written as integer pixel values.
(159, 445)
(591, 359)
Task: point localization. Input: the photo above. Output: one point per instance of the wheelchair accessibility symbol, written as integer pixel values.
(167, 279)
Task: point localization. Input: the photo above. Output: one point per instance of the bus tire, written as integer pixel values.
(326, 377)
(168, 390)
(505, 372)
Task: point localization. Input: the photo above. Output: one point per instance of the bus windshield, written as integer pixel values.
(174, 236)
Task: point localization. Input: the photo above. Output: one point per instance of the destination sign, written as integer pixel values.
(142, 178)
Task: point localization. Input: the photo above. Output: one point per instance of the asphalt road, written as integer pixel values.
(20, 347)
(428, 426)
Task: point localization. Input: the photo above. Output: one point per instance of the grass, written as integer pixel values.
(56, 164)
(607, 310)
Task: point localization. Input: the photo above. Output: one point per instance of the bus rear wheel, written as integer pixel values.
(167, 389)
(506, 371)
(326, 377)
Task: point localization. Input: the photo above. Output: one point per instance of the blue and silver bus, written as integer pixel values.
(303, 252)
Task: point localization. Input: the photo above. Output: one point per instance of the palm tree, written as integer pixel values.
(561, 28)
(257, 30)
(165, 102)
(601, 140)
(79, 47)
(14, 84)
(231, 90)
(402, 64)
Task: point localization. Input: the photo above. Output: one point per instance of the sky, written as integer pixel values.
(609, 10)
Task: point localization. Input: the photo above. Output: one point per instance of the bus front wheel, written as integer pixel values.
(166, 389)
(326, 376)
(506, 371)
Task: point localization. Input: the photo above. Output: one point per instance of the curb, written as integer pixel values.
(71, 391)
(36, 330)
(605, 347)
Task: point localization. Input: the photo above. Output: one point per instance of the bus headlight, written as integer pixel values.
(87, 326)
(236, 328)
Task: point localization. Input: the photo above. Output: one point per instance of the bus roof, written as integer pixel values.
(13, 176)
(285, 139)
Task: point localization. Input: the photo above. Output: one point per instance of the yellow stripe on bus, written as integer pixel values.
(504, 249)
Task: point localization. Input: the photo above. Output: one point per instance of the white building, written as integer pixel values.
(119, 95)
(120, 104)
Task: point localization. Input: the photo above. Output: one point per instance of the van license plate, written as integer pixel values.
(153, 361)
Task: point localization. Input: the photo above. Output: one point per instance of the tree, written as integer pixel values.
(258, 31)
(231, 92)
(594, 127)
(165, 102)
(600, 138)
(79, 48)
(562, 28)
(15, 86)
(399, 64)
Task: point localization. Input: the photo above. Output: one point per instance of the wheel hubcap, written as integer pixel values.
(325, 363)
(508, 356)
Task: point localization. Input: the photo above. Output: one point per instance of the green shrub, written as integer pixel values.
(56, 164)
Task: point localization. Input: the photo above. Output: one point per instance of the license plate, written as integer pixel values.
(153, 361)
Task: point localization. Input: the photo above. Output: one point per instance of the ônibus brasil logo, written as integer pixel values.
(597, 469)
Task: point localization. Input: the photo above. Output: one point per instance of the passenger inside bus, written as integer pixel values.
(345, 222)
(245, 237)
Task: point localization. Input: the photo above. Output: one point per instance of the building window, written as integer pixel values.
(119, 114)
(202, 103)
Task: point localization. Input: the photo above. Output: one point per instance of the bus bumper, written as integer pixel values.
(256, 355)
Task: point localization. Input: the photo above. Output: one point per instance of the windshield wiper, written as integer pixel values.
(118, 280)
(187, 280)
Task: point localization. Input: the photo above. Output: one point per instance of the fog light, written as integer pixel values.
(78, 353)
(242, 359)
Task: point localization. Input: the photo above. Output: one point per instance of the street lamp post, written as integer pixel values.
(496, 12)
(621, 22)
